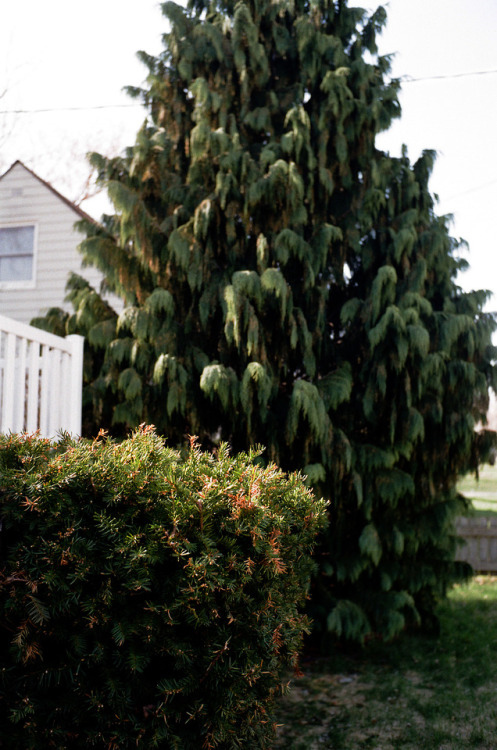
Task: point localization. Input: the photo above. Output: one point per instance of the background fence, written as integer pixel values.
(480, 542)
(41, 380)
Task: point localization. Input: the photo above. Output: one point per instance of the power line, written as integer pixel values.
(408, 79)
(404, 79)
(65, 109)
(470, 190)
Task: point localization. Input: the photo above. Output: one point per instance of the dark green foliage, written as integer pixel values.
(147, 600)
(290, 284)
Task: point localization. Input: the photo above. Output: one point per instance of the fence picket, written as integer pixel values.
(33, 386)
(20, 397)
(9, 384)
(44, 390)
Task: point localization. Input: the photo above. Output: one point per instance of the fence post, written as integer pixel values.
(76, 380)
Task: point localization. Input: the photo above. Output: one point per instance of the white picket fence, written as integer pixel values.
(41, 380)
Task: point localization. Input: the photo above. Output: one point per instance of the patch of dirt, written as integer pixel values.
(318, 702)
(321, 706)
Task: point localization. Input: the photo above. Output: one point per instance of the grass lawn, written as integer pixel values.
(420, 692)
(482, 492)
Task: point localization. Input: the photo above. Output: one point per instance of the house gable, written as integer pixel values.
(28, 201)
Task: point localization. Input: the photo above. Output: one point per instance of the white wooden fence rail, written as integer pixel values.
(41, 380)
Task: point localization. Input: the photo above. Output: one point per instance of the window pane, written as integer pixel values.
(16, 269)
(16, 253)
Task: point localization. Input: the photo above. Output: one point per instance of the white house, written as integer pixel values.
(38, 246)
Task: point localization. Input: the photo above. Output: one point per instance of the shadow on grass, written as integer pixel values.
(417, 692)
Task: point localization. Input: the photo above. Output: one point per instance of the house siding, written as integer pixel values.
(24, 198)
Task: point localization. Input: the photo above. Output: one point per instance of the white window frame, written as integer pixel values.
(24, 283)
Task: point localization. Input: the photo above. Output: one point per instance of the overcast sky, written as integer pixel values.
(57, 53)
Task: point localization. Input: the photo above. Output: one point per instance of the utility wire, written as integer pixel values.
(470, 190)
(408, 79)
(65, 109)
(404, 79)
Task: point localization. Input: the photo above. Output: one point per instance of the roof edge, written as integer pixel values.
(82, 214)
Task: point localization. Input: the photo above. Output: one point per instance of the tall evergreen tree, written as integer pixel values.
(290, 284)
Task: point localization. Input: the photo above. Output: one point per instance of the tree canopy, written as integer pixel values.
(289, 284)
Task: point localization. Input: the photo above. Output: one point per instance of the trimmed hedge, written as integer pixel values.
(147, 600)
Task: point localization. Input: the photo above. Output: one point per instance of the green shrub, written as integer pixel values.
(147, 600)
